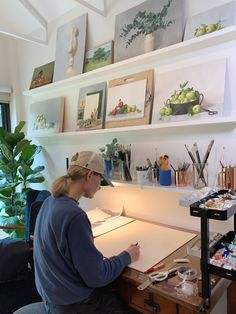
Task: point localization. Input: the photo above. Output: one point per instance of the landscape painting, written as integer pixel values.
(91, 107)
(46, 117)
(99, 57)
(163, 19)
(189, 90)
(70, 48)
(210, 21)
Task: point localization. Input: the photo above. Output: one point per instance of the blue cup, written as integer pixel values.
(165, 177)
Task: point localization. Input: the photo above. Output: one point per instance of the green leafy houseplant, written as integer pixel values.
(110, 151)
(146, 23)
(16, 173)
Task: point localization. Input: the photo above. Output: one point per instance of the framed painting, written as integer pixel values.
(129, 100)
(148, 26)
(46, 117)
(99, 57)
(190, 90)
(210, 21)
(42, 75)
(70, 48)
(91, 107)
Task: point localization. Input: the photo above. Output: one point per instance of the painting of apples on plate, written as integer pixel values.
(189, 90)
(129, 100)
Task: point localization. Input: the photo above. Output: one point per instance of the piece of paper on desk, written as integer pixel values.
(156, 242)
(105, 220)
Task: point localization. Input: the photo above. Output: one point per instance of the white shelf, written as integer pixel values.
(151, 186)
(187, 46)
(145, 129)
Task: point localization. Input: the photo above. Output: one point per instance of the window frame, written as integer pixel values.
(5, 111)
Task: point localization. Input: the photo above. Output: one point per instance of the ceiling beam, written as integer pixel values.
(25, 37)
(102, 12)
(31, 9)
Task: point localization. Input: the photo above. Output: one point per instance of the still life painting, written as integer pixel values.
(46, 117)
(190, 90)
(148, 26)
(129, 100)
(91, 107)
(210, 21)
(42, 75)
(70, 48)
(99, 57)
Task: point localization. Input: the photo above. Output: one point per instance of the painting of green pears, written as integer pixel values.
(204, 29)
(42, 123)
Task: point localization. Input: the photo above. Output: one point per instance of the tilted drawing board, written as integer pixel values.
(156, 242)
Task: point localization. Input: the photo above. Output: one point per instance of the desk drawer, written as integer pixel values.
(150, 303)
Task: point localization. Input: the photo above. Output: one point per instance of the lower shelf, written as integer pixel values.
(151, 185)
(223, 257)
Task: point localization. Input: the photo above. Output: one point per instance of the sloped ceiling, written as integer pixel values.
(22, 18)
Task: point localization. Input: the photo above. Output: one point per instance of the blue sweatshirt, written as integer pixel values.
(67, 264)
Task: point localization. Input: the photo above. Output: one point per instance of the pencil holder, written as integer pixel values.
(227, 178)
(165, 177)
(180, 177)
(200, 175)
(142, 176)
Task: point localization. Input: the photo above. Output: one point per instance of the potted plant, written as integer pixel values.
(145, 23)
(110, 154)
(16, 173)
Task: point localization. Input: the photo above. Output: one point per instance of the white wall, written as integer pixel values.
(152, 205)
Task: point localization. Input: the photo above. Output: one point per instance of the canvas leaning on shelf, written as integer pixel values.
(70, 48)
(152, 23)
(210, 21)
(46, 117)
(129, 100)
(42, 75)
(91, 107)
(99, 57)
(190, 90)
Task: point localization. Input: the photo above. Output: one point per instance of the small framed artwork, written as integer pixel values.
(210, 21)
(99, 57)
(46, 117)
(129, 100)
(187, 90)
(91, 107)
(42, 75)
(70, 48)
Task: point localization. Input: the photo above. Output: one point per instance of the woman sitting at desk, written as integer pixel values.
(71, 274)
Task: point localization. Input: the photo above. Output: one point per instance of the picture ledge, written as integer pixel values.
(221, 36)
(149, 128)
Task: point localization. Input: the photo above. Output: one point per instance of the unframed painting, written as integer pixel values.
(210, 21)
(189, 90)
(148, 26)
(46, 116)
(70, 48)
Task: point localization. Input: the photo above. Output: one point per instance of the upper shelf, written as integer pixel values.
(191, 45)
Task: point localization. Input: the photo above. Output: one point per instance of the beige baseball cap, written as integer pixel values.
(92, 161)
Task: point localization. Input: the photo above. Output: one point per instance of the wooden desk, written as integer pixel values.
(162, 297)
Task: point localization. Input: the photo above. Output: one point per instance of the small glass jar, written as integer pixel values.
(200, 175)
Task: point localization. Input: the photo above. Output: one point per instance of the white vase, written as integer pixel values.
(149, 42)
